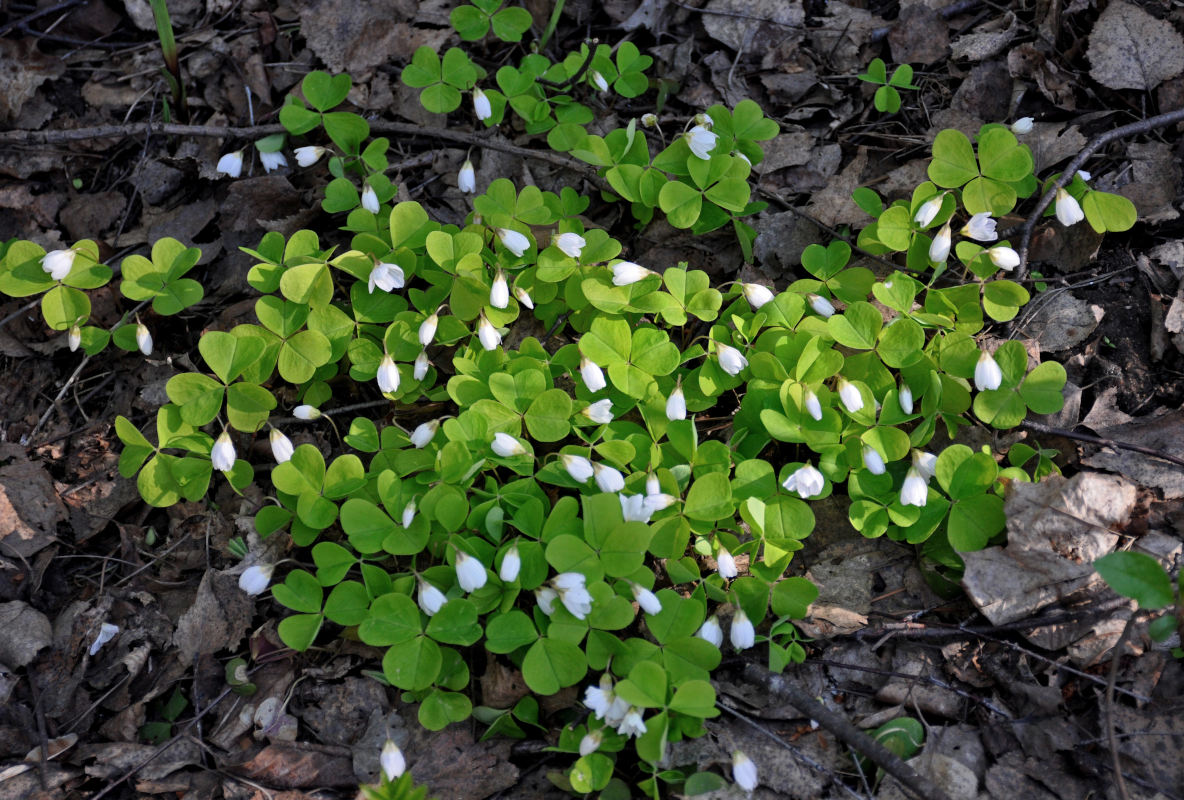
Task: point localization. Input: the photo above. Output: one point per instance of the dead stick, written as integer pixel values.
(1036, 427)
(254, 132)
(1111, 734)
(1151, 123)
(842, 727)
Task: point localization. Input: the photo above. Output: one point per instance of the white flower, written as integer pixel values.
(470, 573)
(499, 293)
(813, 407)
(507, 446)
(408, 514)
(725, 564)
(222, 454)
(600, 698)
(1021, 126)
(106, 633)
(573, 593)
(987, 375)
(388, 375)
(731, 360)
(626, 273)
(392, 761)
(571, 244)
(74, 338)
(308, 155)
(281, 446)
(600, 83)
(742, 635)
(648, 601)
(511, 565)
(517, 243)
(928, 210)
(466, 179)
(873, 460)
(1068, 209)
(632, 724)
(608, 478)
(915, 491)
(743, 771)
(579, 468)
(523, 297)
(143, 339)
(1085, 176)
(850, 395)
(419, 369)
(822, 307)
(600, 412)
(926, 464)
(255, 579)
(592, 374)
(424, 433)
(1004, 257)
(705, 120)
(305, 412)
(905, 398)
(658, 502)
(427, 329)
(487, 334)
(806, 481)
(481, 105)
(939, 249)
(58, 263)
(272, 160)
(649, 120)
(387, 277)
(430, 598)
(980, 227)
(756, 294)
(634, 508)
(652, 485)
(701, 141)
(546, 597)
(711, 631)
(676, 404)
(369, 198)
(591, 742)
(231, 164)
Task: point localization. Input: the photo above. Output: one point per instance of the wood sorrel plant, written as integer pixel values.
(551, 501)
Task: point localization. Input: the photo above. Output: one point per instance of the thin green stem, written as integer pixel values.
(556, 13)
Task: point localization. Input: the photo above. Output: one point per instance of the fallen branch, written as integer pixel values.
(1036, 427)
(840, 726)
(1102, 139)
(22, 137)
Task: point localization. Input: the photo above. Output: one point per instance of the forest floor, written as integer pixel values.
(1008, 675)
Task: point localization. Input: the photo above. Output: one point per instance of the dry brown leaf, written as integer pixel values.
(1062, 322)
(22, 69)
(1052, 142)
(1056, 529)
(833, 205)
(742, 25)
(30, 508)
(988, 41)
(218, 618)
(1162, 430)
(1130, 49)
(920, 36)
(26, 631)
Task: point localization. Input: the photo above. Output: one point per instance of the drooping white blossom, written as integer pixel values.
(725, 564)
(429, 598)
(987, 375)
(230, 164)
(609, 479)
(579, 468)
(731, 360)
(822, 307)
(256, 578)
(757, 295)
(481, 105)
(939, 249)
(570, 244)
(514, 241)
(499, 293)
(506, 445)
(222, 455)
(806, 480)
(58, 263)
(710, 631)
(742, 635)
(281, 446)
(981, 227)
(470, 572)
(308, 155)
(385, 276)
(424, 433)
(592, 374)
(928, 210)
(466, 179)
(511, 565)
(1068, 209)
(744, 771)
(369, 198)
(392, 761)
